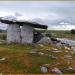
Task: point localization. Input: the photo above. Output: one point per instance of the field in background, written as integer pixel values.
(54, 33)
(59, 33)
(3, 36)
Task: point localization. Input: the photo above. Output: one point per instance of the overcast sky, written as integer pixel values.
(56, 14)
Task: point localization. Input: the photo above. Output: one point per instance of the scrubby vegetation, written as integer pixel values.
(18, 58)
(3, 36)
(28, 59)
(73, 31)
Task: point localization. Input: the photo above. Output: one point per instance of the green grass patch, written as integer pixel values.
(16, 65)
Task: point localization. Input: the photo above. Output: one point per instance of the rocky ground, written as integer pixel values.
(48, 56)
(62, 56)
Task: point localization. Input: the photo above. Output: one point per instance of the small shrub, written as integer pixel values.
(73, 31)
(48, 35)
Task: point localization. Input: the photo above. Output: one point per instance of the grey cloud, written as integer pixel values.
(48, 12)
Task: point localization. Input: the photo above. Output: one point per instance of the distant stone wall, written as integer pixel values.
(13, 33)
(26, 34)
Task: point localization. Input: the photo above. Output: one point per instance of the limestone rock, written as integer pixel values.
(56, 71)
(32, 52)
(40, 53)
(68, 56)
(72, 47)
(45, 40)
(2, 59)
(41, 45)
(55, 49)
(59, 44)
(70, 69)
(67, 48)
(44, 69)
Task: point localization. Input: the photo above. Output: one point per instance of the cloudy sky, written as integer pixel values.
(56, 14)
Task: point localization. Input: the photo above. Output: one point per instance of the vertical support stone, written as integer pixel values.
(13, 33)
(27, 34)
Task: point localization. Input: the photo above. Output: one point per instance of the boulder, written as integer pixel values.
(72, 47)
(68, 56)
(56, 71)
(41, 45)
(32, 52)
(55, 49)
(67, 48)
(2, 59)
(44, 69)
(41, 53)
(70, 69)
(59, 44)
(45, 40)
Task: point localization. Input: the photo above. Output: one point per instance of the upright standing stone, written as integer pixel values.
(13, 33)
(27, 34)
